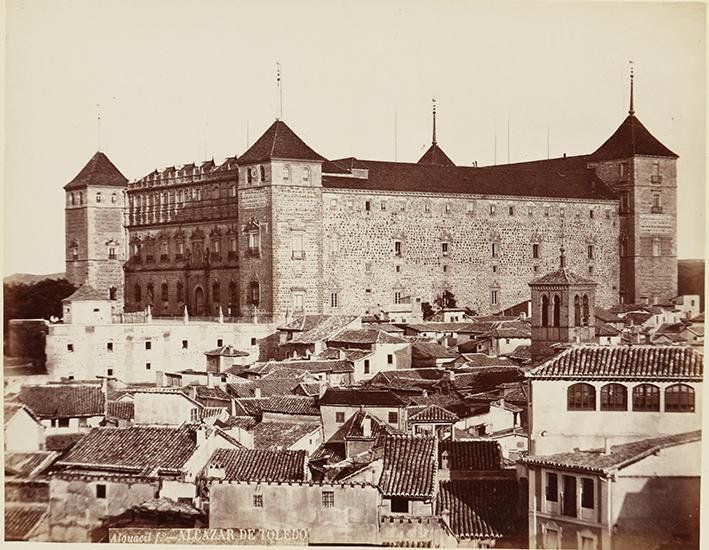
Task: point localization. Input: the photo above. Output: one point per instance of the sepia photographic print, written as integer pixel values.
(397, 274)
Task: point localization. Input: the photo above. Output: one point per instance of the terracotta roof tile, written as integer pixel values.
(64, 400)
(356, 397)
(562, 276)
(244, 422)
(596, 460)
(326, 328)
(86, 293)
(639, 362)
(481, 508)
(259, 464)
(409, 468)
(435, 156)
(98, 171)
(470, 455)
(28, 464)
(365, 336)
(22, 520)
(433, 413)
(121, 409)
(281, 435)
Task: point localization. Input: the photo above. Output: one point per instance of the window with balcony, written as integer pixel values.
(646, 398)
(581, 397)
(679, 398)
(231, 254)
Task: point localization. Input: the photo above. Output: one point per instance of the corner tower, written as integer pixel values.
(281, 234)
(643, 173)
(563, 310)
(94, 228)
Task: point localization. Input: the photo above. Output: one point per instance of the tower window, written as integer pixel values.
(114, 197)
(397, 297)
(493, 209)
(623, 170)
(444, 249)
(109, 346)
(334, 299)
(591, 214)
(98, 197)
(306, 174)
(368, 205)
(111, 253)
(397, 248)
(493, 297)
(495, 250)
(590, 252)
(511, 210)
(535, 251)
(448, 208)
(656, 247)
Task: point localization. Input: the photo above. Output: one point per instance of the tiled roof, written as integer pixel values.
(22, 519)
(86, 293)
(433, 413)
(227, 351)
(435, 156)
(409, 468)
(521, 353)
(62, 442)
(492, 180)
(259, 464)
(281, 435)
(98, 171)
(327, 327)
(136, 448)
(291, 404)
(423, 374)
(562, 276)
(267, 385)
(28, 464)
(245, 422)
(278, 142)
(307, 365)
(440, 326)
(354, 429)
(309, 389)
(356, 397)
(304, 322)
(165, 505)
(64, 400)
(480, 508)
(474, 455)
(421, 350)
(622, 455)
(366, 336)
(638, 362)
(350, 354)
(606, 316)
(631, 138)
(121, 409)
(637, 317)
(606, 330)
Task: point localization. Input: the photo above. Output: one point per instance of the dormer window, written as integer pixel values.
(306, 174)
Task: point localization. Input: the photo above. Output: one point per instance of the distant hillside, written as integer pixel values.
(690, 278)
(29, 278)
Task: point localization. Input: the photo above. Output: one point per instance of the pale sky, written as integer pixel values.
(178, 78)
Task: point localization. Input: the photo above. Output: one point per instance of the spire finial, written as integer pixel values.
(562, 256)
(98, 127)
(434, 122)
(631, 111)
(280, 90)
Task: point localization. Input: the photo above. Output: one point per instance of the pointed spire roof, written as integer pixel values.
(98, 171)
(279, 142)
(435, 156)
(562, 276)
(630, 139)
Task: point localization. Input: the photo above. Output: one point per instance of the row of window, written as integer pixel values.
(180, 292)
(553, 306)
(655, 175)
(645, 397)
(327, 500)
(257, 174)
(570, 495)
(149, 345)
(494, 250)
(78, 198)
(392, 416)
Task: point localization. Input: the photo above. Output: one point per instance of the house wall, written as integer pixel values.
(74, 510)
(564, 430)
(162, 408)
(23, 433)
(89, 312)
(129, 357)
(352, 519)
(365, 259)
(327, 413)
(76, 425)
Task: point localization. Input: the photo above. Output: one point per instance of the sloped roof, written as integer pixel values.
(595, 460)
(259, 464)
(22, 519)
(562, 276)
(98, 171)
(165, 505)
(636, 362)
(433, 413)
(480, 508)
(366, 336)
(409, 468)
(28, 464)
(492, 180)
(435, 156)
(359, 396)
(278, 142)
(353, 429)
(135, 448)
(63, 400)
(606, 316)
(86, 293)
(10, 409)
(421, 350)
(304, 322)
(289, 404)
(322, 330)
(631, 138)
(281, 435)
(227, 351)
(606, 330)
(471, 455)
(121, 409)
(301, 366)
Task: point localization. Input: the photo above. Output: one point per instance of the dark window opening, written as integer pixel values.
(100, 491)
(581, 397)
(646, 397)
(614, 397)
(399, 506)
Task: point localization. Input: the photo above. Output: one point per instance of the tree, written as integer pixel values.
(38, 300)
(446, 299)
(427, 310)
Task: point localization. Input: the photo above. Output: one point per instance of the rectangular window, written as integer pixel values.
(109, 346)
(444, 249)
(495, 250)
(298, 242)
(109, 372)
(258, 501)
(623, 170)
(511, 210)
(111, 253)
(535, 251)
(397, 297)
(656, 247)
(624, 202)
(383, 205)
(334, 299)
(569, 502)
(253, 341)
(328, 499)
(493, 209)
(333, 203)
(393, 417)
(147, 366)
(100, 490)
(298, 302)
(590, 252)
(470, 207)
(397, 248)
(587, 493)
(367, 206)
(397, 269)
(148, 345)
(70, 347)
(427, 207)
(185, 344)
(220, 342)
(366, 366)
(493, 297)
(340, 417)
(448, 208)
(63, 423)
(399, 506)
(552, 488)
(390, 359)
(562, 211)
(591, 214)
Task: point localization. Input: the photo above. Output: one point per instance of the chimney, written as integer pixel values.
(367, 427)
(450, 375)
(210, 379)
(502, 403)
(446, 517)
(216, 470)
(159, 379)
(257, 393)
(606, 446)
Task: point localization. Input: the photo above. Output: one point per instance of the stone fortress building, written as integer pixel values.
(282, 231)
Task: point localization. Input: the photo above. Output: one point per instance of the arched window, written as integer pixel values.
(253, 295)
(545, 311)
(286, 174)
(98, 197)
(306, 174)
(577, 311)
(164, 292)
(180, 291)
(137, 293)
(585, 312)
(112, 293)
(262, 173)
(151, 293)
(216, 292)
(646, 397)
(74, 250)
(581, 397)
(679, 398)
(114, 197)
(614, 397)
(557, 311)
